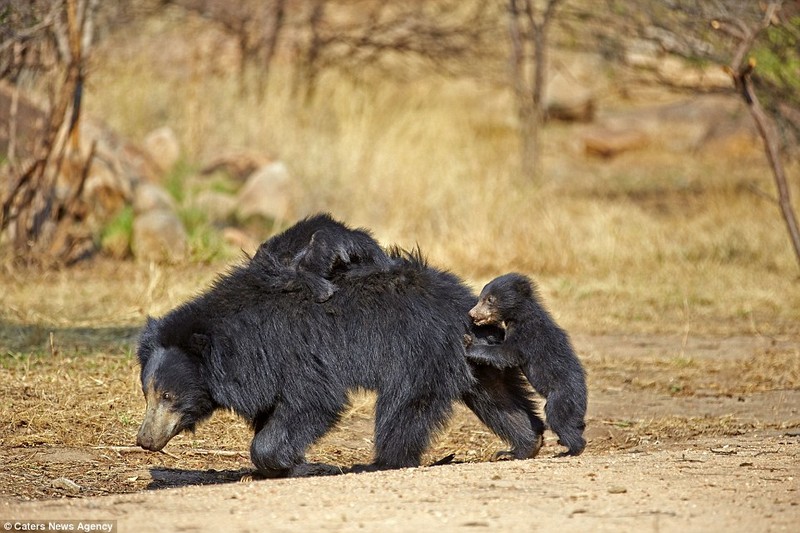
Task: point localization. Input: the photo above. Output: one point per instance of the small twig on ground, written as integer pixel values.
(136, 449)
(169, 454)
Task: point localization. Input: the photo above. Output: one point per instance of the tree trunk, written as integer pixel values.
(522, 94)
(42, 203)
(530, 95)
(741, 72)
(273, 30)
(766, 128)
(306, 76)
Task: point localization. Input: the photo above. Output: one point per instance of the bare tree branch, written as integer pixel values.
(742, 75)
(529, 31)
(36, 212)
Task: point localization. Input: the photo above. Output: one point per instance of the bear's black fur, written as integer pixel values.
(286, 363)
(314, 249)
(534, 342)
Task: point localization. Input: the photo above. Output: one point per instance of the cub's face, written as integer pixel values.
(486, 311)
(176, 395)
(502, 300)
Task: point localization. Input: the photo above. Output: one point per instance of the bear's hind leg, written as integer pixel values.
(502, 402)
(403, 428)
(565, 416)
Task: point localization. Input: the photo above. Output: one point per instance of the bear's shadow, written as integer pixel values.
(164, 478)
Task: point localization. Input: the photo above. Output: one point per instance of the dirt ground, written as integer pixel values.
(701, 434)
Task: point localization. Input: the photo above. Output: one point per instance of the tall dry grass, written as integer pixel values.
(659, 239)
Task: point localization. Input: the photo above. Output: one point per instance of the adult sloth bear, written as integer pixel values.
(267, 351)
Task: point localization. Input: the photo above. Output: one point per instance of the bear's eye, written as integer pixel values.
(491, 299)
(167, 396)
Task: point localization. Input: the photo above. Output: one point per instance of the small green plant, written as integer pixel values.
(115, 238)
(683, 362)
(219, 182)
(205, 241)
(175, 180)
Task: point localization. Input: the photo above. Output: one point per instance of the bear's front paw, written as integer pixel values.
(271, 473)
(504, 455)
(359, 468)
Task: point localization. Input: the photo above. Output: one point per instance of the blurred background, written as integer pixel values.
(638, 158)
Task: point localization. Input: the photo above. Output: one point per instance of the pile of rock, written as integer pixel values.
(123, 175)
(259, 188)
(124, 185)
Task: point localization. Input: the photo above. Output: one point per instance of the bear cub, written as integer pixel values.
(535, 343)
(312, 252)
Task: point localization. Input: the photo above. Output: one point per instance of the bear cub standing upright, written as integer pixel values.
(534, 342)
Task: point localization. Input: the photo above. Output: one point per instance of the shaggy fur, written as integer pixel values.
(286, 363)
(316, 248)
(534, 342)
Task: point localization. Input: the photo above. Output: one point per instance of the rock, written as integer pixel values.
(163, 147)
(681, 73)
(159, 236)
(266, 193)
(609, 143)
(106, 191)
(238, 165)
(568, 100)
(642, 53)
(218, 206)
(116, 246)
(67, 485)
(152, 197)
(577, 111)
(689, 124)
(128, 161)
(240, 240)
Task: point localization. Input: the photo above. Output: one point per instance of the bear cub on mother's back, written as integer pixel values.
(313, 251)
(536, 343)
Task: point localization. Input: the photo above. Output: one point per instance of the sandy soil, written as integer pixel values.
(684, 434)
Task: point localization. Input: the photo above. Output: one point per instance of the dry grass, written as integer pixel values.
(680, 376)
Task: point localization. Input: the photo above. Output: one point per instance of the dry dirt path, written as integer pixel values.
(729, 484)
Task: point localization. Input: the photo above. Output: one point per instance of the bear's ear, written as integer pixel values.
(147, 340)
(198, 343)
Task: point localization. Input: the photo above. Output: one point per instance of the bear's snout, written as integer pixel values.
(160, 424)
(153, 440)
(478, 315)
(145, 442)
